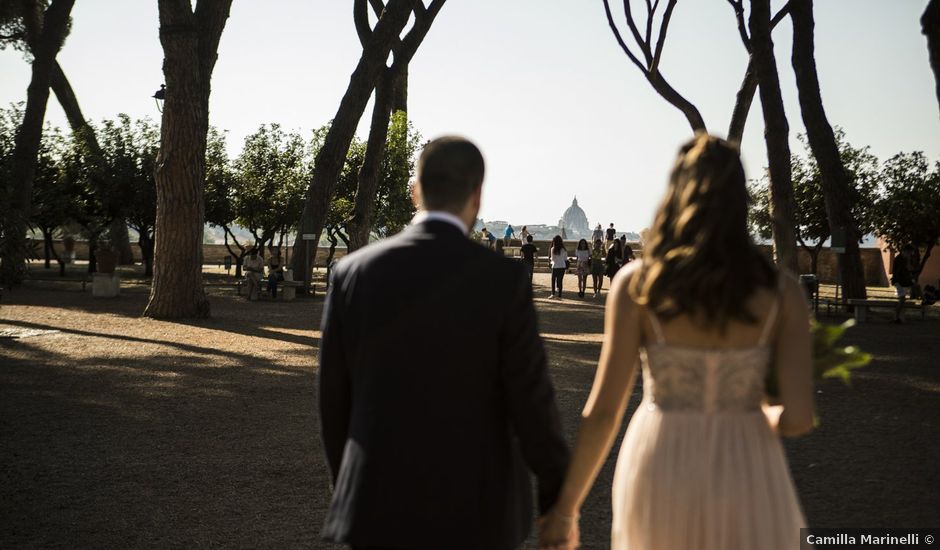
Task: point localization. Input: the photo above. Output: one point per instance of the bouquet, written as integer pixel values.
(829, 359)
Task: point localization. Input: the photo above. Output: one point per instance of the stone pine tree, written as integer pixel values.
(19, 190)
(332, 156)
(390, 89)
(21, 24)
(190, 40)
(930, 25)
(835, 183)
(776, 134)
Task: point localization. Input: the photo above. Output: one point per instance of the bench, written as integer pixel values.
(84, 280)
(862, 307)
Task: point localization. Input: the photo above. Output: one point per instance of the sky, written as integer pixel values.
(540, 85)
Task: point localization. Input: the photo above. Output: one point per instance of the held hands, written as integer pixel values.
(558, 532)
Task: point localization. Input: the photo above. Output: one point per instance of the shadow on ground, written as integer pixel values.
(122, 432)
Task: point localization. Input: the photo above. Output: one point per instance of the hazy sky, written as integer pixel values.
(540, 85)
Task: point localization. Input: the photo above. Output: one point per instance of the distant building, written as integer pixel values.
(575, 222)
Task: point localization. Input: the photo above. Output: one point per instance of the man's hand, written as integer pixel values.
(557, 532)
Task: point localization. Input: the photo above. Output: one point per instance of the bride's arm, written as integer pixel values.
(794, 363)
(604, 410)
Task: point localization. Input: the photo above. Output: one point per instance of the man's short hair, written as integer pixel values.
(528, 238)
(450, 169)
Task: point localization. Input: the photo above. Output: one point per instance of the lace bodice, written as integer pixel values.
(685, 378)
(677, 378)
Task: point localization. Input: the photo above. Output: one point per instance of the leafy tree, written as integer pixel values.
(220, 188)
(906, 210)
(53, 206)
(393, 205)
(811, 220)
(129, 152)
(270, 179)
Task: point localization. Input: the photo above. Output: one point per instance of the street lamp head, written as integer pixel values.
(159, 96)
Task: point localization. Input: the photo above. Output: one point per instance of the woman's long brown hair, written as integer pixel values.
(700, 260)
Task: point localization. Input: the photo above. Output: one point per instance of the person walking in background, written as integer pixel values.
(430, 446)
(528, 251)
(598, 234)
(559, 260)
(701, 464)
(508, 234)
(611, 235)
(524, 234)
(598, 266)
(626, 251)
(902, 279)
(614, 258)
(583, 261)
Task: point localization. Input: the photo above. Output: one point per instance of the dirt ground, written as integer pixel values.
(123, 432)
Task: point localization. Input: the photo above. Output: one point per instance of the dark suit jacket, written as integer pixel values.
(432, 383)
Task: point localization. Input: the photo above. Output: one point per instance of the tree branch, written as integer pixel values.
(361, 20)
(644, 46)
(663, 29)
(623, 45)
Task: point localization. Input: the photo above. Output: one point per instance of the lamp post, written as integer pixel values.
(159, 96)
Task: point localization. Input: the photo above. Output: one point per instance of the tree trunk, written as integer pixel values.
(930, 24)
(400, 98)
(360, 226)
(190, 42)
(146, 252)
(742, 105)
(47, 246)
(836, 187)
(332, 155)
(776, 134)
(28, 136)
(745, 95)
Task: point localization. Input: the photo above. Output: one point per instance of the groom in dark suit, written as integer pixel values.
(434, 392)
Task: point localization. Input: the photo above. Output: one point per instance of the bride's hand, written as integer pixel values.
(557, 532)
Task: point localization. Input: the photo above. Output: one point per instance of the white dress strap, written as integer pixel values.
(657, 328)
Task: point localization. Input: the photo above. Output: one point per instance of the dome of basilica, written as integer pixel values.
(575, 221)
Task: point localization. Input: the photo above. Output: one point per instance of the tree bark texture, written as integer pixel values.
(835, 183)
(776, 135)
(389, 91)
(19, 192)
(930, 25)
(331, 157)
(190, 42)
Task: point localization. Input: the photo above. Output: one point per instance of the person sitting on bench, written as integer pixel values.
(274, 270)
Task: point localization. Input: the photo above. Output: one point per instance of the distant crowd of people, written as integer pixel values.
(604, 256)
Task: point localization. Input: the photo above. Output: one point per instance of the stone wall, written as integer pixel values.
(212, 254)
(876, 267)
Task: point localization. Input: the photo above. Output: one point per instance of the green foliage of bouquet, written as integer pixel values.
(829, 359)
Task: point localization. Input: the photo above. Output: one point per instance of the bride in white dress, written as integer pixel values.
(706, 317)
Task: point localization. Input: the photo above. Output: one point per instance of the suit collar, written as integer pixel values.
(440, 216)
